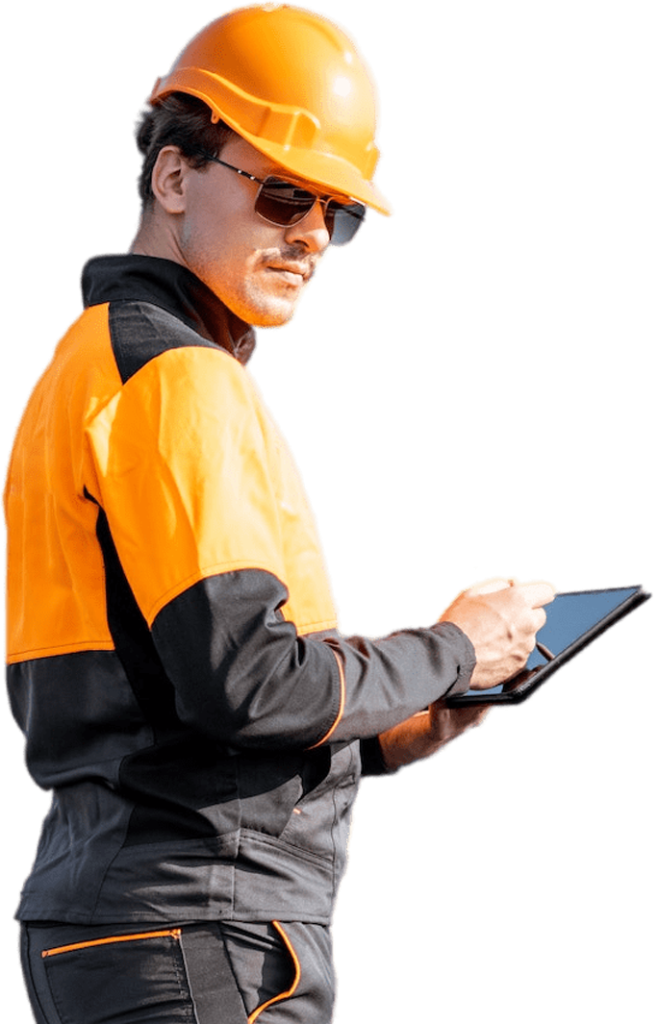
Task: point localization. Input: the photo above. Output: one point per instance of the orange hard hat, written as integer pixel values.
(293, 85)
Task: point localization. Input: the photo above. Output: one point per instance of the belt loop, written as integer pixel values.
(215, 992)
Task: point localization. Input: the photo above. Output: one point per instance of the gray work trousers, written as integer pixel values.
(214, 973)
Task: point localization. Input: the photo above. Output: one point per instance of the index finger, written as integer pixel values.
(537, 594)
(490, 587)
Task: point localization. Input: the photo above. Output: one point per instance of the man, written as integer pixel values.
(174, 658)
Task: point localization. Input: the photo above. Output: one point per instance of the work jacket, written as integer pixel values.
(173, 653)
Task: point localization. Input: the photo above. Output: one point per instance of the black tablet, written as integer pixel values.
(572, 622)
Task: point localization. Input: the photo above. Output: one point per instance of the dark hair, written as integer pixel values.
(178, 120)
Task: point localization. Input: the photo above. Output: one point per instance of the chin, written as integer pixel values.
(274, 323)
(264, 314)
(256, 305)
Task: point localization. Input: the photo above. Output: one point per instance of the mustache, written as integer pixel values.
(297, 254)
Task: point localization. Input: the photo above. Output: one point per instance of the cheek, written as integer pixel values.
(207, 246)
(228, 269)
(209, 213)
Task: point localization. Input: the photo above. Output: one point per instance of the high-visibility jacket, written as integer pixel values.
(173, 657)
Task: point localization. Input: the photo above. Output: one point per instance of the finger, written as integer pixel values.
(490, 587)
(457, 720)
(481, 714)
(487, 712)
(540, 619)
(537, 592)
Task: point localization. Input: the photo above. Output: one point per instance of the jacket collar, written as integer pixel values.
(172, 287)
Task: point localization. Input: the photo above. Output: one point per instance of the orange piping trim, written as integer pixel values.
(298, 973)
(174, 932)
(341, 708)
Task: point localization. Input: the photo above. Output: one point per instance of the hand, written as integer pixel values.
(501, 620)
(425, 733)
(446, 723)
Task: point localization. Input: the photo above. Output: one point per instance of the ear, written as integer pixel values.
(169, 179)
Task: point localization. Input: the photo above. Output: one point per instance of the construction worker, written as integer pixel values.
(174, 656)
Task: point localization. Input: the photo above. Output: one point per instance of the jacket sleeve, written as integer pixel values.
(245, 673)
(219, 551)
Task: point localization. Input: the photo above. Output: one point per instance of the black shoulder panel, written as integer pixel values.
(141, 331)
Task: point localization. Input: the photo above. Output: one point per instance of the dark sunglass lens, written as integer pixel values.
(281, 202)
(343, 220)
(284, 203)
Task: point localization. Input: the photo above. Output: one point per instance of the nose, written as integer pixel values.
(311, 231)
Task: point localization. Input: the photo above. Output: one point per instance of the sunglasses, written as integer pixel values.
(283, 203)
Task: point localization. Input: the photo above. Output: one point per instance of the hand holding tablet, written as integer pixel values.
(571, 622)
(500, 619)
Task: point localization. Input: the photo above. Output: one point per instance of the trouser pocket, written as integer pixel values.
(283, 970)
(135, 978)
(265, 964)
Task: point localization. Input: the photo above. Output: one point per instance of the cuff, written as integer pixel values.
(465, 655)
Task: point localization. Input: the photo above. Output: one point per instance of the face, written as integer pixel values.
(259, 270)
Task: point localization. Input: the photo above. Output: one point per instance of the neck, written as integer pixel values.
(155, 238)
